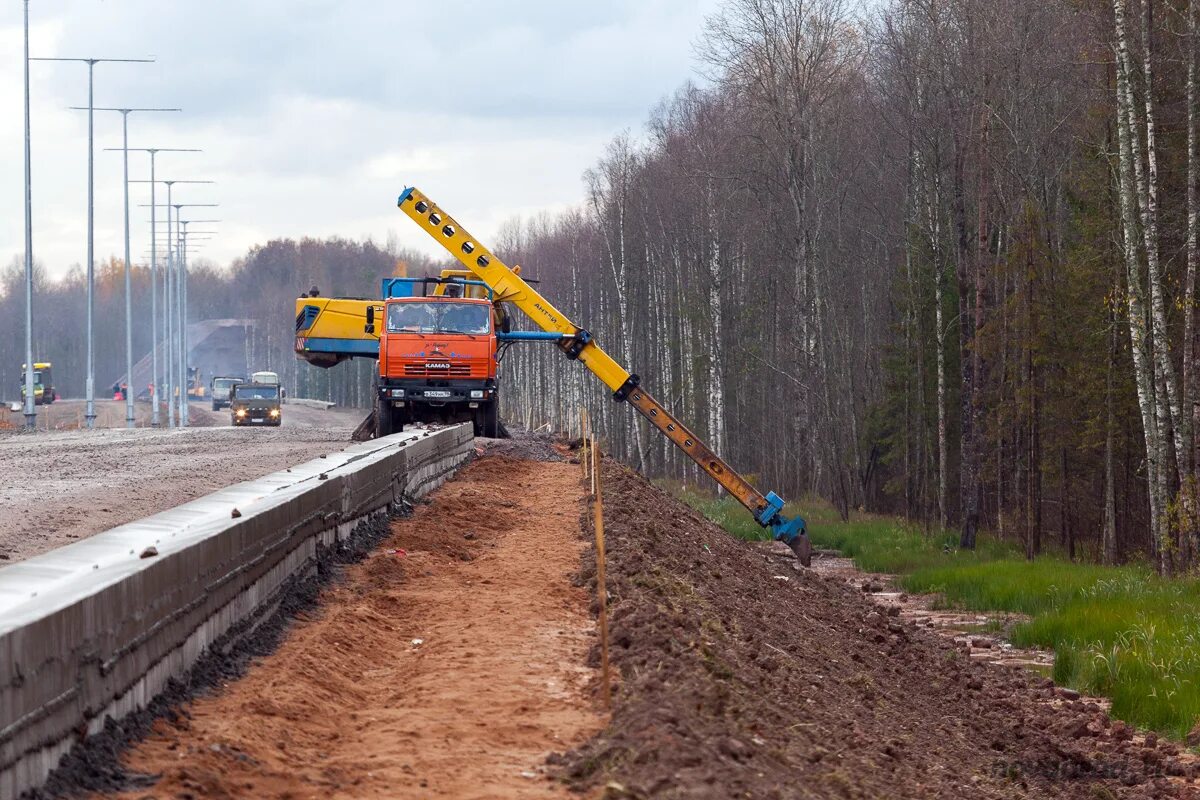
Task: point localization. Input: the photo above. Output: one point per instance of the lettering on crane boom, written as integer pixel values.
(550, 316)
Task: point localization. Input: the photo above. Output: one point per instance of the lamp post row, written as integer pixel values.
(179, 297)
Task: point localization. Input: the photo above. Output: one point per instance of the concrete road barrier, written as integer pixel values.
(95, 630)
(322, 405)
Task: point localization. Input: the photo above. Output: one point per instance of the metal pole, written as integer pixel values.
(129, 387)
(154, 420)
(90, 388)
(169, 337)
(183, 337)
(90, 383)
(174, 298)
(157, 334)
(181, 357)
(131, 390)
(30, 410)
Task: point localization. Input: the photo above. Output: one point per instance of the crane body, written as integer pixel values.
(577, 343)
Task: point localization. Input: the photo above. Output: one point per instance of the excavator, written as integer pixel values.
(329, 330)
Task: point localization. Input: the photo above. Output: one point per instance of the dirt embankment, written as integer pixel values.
(61, 486)
(742, 677)
(449, 663)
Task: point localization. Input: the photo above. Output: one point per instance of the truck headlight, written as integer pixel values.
(241, 412)
(477, 394)
(274, 412)
(397, 393)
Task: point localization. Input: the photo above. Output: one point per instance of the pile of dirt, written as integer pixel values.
(742, 677)
(523, 444)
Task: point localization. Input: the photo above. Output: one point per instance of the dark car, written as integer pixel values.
(255, 404)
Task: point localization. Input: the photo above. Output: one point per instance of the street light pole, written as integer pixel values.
(154, 332)
(130, 390)
(90, 385)
(183, 276)
(30, 410)
(176, 321)
(169, 363)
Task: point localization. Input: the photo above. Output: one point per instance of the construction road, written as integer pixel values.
(66, 484)
(458, 659)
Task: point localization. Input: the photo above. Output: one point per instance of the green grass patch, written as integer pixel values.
(1118, 632)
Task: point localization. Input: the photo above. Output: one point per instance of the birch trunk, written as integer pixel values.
(1169, 405)
(716, 387)
(1140, 345)
(1191, 409)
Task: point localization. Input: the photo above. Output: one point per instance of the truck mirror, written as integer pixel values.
(370, 326)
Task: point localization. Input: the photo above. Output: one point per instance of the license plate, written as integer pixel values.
(436, 393)
(258, 419)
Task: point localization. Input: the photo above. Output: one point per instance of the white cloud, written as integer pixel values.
(314, 114)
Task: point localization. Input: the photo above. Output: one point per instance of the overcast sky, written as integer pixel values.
(314, 114)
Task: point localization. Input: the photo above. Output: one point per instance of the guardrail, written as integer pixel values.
(96, 629)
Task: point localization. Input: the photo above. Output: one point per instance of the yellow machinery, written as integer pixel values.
(577, 343)
(330, 330)
(43, 383)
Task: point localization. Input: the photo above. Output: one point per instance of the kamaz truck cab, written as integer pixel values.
(437, 354)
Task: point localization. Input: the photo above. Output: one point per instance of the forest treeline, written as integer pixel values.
(937, 259)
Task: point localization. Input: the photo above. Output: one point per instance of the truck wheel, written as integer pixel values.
(487, 421)
(383, 418)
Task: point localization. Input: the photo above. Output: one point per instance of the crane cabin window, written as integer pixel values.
(469, 318)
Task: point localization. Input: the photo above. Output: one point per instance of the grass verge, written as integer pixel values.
(1117, 632)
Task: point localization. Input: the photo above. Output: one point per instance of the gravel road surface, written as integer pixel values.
(64, 485)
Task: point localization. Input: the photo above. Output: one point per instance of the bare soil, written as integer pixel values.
(63, 485)
(449, 663)
(744, 677)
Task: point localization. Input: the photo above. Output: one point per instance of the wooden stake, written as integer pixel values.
(595, 463)
(601, 588)
(583, 433)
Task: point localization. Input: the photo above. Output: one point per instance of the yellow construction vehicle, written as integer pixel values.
(43, 384)
(577, 343)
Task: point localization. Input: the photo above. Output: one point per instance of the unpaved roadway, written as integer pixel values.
(450, 663)
(62, 485)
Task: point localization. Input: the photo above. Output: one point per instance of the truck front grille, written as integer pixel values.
(421, 371)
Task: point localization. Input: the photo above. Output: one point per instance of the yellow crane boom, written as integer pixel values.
(577, 343)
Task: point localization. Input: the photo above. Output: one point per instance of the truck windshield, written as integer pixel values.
(256, 392)
(224, 383)
(473, 318)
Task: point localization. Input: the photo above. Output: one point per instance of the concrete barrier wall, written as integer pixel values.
(97, 628)
(323, 405)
